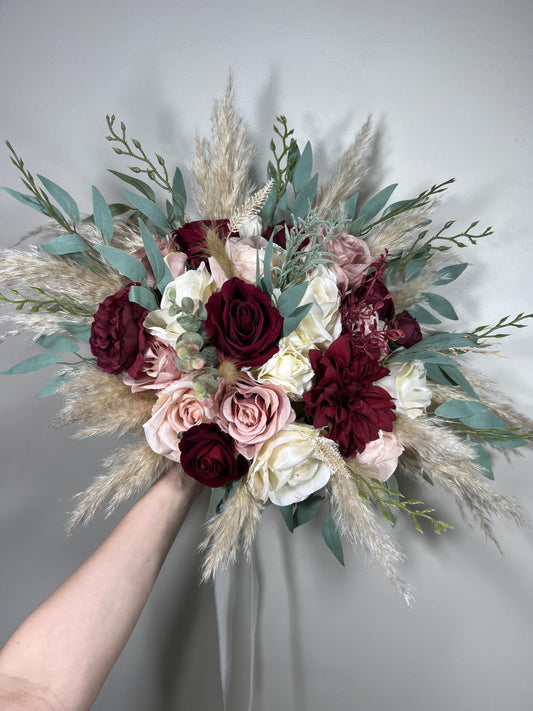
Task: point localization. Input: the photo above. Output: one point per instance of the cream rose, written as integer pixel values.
(406, 383)
(382, 454)
(177, 409)
(289, 367)
(322, 325)
(287, 469)
(198, 284)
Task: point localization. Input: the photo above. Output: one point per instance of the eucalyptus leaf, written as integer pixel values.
(63, 199)
(28, 200)
(125, 264)
(161, 272)
(289, 300)
(441, 305)
(216, 497)
(292, 322)
(449, 273)
(301, 173)
(53, 386)
(413, 268)
(36, 362)
(288, 516)
(57, 342)
(103, 218)
(375, 205)
(307, 509)
(357, 225)
(350, 206)
(148, 208)
(457, 378)
(422, 315)
(267, 266)
(144, 297)
(141, 186)
(65, 244)
(483, 459)
(80, 331)
(471, 413)
(178, 187)
(332, 537)
(304, 199)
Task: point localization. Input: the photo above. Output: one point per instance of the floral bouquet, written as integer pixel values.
(286, 348)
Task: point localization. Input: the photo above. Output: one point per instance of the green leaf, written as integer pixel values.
(36, 362)
(148, 208)
(301, 173)
(28, 200)
(62, 198)
(80, 331)
(357, 225)
(214, 500)
(413, 268)
(332, 537)
(471, 413)
(178, 187)
(141, 186)
(449, 273)
(103, 218)
(304, 198)
(306, 510)
(288, 516)
(144, 297)
(58, 342)
(53, 386)
(65, 244)
(483, 459)
(457, 378)
(350, 206)
(289, 300)
(422, 315)
(160, 268)
(125, 264)
(441, 305)
(291, 323)
(375, 205)
(267, 266)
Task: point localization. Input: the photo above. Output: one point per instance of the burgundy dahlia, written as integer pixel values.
(117, 334)
(209, 456)
(242, 324)
(345, 400)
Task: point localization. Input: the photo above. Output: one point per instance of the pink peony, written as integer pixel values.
(158, 369)
(251, 412)
(382, 454)
(176, 261)
(352, 260)
(177, 409)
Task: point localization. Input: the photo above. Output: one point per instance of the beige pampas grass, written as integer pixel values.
(348, 175)
(102, 404)
(221, 166)
(354, 518)
(236, 523)
(216, 248)
(251, 207)
(39, 324)
(450, 462)
(130, 472)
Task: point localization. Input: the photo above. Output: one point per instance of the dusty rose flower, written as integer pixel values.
(382, 454)
(352, 260)
(251, 412)
(243, 255)
(176, 261)
(158, 369)
(177, 409)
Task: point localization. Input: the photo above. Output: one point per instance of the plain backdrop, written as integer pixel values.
(450, 87)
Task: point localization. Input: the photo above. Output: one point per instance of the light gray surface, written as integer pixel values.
(449, 85)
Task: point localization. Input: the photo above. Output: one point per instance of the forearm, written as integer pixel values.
(67, 647)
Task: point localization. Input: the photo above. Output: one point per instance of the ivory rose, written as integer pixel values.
(352, 259)
(289, 368)
(382, 454)
(287, 469)
(251, 412)
(322, 325)
(406, 383)
(177, 409)
(197, 284)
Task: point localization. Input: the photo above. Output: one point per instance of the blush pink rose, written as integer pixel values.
(158, 369)
(176, 261)
(382, 454)
(243, 255)
(177, 410)
(352, 260)
(251, 412)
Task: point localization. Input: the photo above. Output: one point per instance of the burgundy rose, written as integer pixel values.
(190, 238)
(410, 330)
(208, 455)
(344, 400)
(117, 334)
(242, 323)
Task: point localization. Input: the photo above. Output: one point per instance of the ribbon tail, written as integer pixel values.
(224, 587)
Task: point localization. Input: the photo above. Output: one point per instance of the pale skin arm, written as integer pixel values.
(60, 656)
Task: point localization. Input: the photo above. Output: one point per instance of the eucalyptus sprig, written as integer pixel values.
(497, 331)
(461, 239)
(48, 302)
(285, 160)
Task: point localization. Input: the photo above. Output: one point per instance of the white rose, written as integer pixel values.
(382, 454)
(406, 383)
(289, 367)
(286, 469)
(322, 325)
(197, 284)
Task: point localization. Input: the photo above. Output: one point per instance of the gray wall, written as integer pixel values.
(449, 84)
